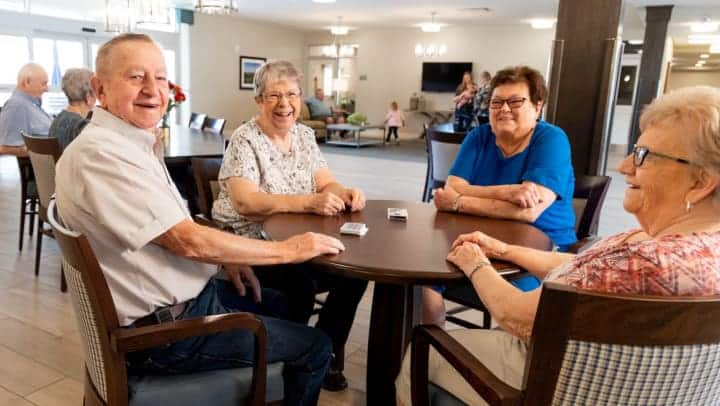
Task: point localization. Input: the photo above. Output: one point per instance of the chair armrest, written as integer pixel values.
(204, 221)
(136, 339)
(583, 244)
(487, 385)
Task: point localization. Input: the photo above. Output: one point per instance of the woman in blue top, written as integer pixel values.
(516, 167)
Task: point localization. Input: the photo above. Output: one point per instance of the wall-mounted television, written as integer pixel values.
(443, 76)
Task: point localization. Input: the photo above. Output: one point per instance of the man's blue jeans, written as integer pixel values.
(305, 351)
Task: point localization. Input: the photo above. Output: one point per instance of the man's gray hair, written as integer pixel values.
(76, 84)
(274, 71)
(102, 60)
(28, 71)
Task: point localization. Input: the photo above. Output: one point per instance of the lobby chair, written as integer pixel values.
(197, 120)
(588, 199)
(216, 125)
(591, 348)
(29, 199)
(442, 149)
(205, 172)
(106, 344)
(43, 152)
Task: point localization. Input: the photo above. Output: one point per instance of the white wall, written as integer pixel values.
(387, 58)
(216, 43)
(679, 79)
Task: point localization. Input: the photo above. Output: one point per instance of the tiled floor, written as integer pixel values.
(40, 353)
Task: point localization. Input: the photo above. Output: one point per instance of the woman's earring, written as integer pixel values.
(688, 206)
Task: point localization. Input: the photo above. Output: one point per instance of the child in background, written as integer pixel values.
(394, 119)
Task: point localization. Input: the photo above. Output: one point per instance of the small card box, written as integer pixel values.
(359, 229)
(397, 214)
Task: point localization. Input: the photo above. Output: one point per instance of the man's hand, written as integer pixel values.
(306, 246)
(524, 195)
(467, 256)
(354, 199)
(240, 275)
(445, 198)
(492, 247)
(325, 204)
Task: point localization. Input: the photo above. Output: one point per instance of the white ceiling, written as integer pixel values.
(305, 14)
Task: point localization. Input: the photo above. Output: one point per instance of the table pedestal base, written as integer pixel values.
(395, 311)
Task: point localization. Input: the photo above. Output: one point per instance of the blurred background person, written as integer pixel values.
(81, 99)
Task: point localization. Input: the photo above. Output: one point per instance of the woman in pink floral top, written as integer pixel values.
(673, 178)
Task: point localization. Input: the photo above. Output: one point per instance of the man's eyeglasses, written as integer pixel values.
(640, 153)
(275, 97)
(513, 102)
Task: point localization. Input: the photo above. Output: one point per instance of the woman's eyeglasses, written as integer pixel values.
(513, 102)
(640, 153)
(275, 97)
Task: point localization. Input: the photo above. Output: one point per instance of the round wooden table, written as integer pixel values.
(399, 257)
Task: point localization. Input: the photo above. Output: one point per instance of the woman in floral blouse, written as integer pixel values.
(273, 165)
(675, 252)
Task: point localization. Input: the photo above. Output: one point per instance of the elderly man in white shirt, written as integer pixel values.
(113, 186)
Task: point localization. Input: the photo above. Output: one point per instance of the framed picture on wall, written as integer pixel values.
(248, 66)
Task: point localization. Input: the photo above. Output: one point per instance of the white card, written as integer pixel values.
(359, 229)
(394, 213)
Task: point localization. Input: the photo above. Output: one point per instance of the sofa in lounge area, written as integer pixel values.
(317, 125)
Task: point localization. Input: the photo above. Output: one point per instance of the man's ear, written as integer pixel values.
(98, 89)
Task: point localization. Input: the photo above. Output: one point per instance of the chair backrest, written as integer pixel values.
(94, 311)
(214, 124)
(442, 148)
(44, 152)
(588, 199)
(205, 171)
(197, 120)
(591, 348)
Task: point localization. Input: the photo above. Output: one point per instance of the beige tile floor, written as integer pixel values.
(40, 354)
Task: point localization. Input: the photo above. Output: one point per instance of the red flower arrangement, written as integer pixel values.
(177, 96)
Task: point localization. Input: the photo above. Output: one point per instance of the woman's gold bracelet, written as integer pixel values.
(456, 203)
(478, 267)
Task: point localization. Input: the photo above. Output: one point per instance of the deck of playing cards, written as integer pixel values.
(359, 229)
(397, 214)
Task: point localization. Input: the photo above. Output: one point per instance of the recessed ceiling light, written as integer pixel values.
(701, 62)
(635, 42)
(704, 56)
(706, 25)
(542, 23)
(323, 1)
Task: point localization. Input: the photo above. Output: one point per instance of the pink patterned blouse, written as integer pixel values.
(673, 265)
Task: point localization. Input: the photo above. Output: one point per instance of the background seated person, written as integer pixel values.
(70, 122)
(113, 187)
(273, 165)
(23, 110)
(676, 252)
(517, 168)
(319, 110)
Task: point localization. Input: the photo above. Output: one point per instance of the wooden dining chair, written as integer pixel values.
(442, 149)
(197, 120)
(106, 344)
(591, 348)
(43, 152)
(588, 199)
(214, 124)
(29, 199)
(205, 172)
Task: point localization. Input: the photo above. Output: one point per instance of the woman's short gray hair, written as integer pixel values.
(274, 71)
(76, 84)
(696, 110)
